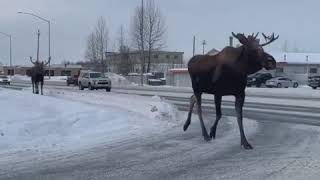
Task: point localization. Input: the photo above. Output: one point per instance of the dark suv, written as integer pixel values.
(258, 79)
(314, 81)
(72, 80)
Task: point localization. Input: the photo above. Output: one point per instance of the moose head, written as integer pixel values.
(39, 65)
(253, 50)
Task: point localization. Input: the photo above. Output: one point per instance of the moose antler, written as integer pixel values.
(241, 37)
(255, 37)
(31, 60)
(46, 63)
(269, 39)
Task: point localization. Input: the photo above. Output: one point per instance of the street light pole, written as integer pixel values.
(203, 44)
(49, 26)
(9, 36)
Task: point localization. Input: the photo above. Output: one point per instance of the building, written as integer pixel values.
(131, 62)
(55, 70)
(179, 76)
(297, 66)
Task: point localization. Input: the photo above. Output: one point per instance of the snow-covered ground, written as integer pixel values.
(80, 134)
(41, 122)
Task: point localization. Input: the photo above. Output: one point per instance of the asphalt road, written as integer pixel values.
(285, 147)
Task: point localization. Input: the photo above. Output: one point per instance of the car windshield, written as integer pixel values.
(96, 75)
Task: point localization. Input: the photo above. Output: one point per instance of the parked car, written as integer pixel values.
(281, 82)
(5, 80)
(93, 80)
(314, 81)
(72, 80)
(258, 79)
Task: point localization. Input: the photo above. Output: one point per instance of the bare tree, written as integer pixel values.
(155, 29)
(125, 65)
(91, 52)
(97, 44)
(101, 38)
(139, 35)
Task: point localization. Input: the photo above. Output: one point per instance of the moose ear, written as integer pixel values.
(241, 38)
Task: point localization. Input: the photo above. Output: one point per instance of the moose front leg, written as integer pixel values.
(188, 121)
(37, 87)
(239, 105)
(217, 101)
(203, 128)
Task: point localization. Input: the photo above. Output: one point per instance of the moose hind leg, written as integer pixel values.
(188, 121)
(203, 128)
(37, 87)
(217, 101)
(41, 87)
(33, 87)
(239, 105)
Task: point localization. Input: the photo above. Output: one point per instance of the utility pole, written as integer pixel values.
(194, 45)
(203, 44)
(142, 41)
(307, 60)
(49, 26)
(38, 45)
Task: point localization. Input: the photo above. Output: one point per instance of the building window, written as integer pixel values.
(10, 72)
(175, 57)
(51, 73)
(155, 56)
(279, 70)
(65, 73)
(167, 56)
(313, 70)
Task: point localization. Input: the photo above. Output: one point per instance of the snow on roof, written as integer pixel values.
(296, 58)
(213, 51)
(178, 70)
(67, 66)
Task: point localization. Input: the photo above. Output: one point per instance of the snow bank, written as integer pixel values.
(39, 122)
(118, 80)
(151, 108)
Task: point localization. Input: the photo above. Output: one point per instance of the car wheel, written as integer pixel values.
(68, 84)
(295, 85)
(314, 87)
(90, 87)
(279, 85)
(80, 86)
(108, 89)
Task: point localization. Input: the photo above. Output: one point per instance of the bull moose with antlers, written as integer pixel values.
(37, 73)
(226, 74)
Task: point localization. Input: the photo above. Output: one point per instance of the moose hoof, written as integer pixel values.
(212, 134)
(207, 138)
(185, 126)
(247, 146)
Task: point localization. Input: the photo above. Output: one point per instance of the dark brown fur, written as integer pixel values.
(226, 74)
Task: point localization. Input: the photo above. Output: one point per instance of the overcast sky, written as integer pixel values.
(72, 20)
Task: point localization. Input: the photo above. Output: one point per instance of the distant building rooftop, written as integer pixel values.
(296, 58)
(213, 51)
